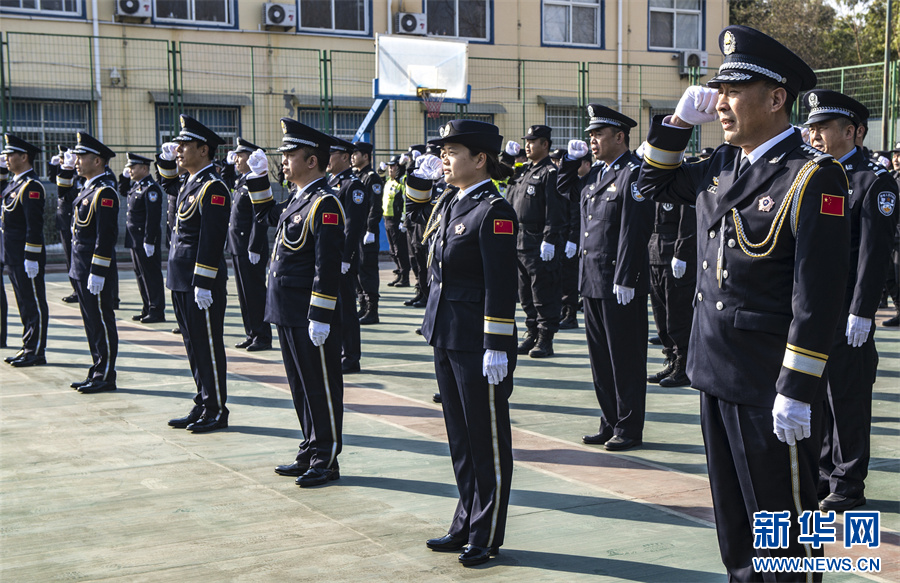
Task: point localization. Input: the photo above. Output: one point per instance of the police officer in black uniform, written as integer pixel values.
(22, 221)
(197, 273)
(361, 159)
(421, 196)
(472, 238)
(95, 230)
(143, 238)
(569, 263)
(64, 216)
(248, 243)
(893, 275)
(171, 178)
(615, 224)
(773, 236)
(871, 206)
(304, 277)
(394, 202)
(542, 222)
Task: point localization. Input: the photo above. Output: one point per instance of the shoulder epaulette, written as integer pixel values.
(633, 165)
(878, 169)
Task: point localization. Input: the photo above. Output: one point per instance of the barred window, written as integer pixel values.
(203, 12)
(675, 24)
(573, 22)
(344, 122)
(335, 16)
(225, 121)
(48, 124)
(458, 18)
(433, 126)
(567, 123)
(43, 7)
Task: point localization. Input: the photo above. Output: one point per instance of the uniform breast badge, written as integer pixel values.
(766, 204)
(459, 229)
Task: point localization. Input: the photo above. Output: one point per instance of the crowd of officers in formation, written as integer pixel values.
(752, 268)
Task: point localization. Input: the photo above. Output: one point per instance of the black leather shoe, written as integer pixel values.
(152, 319)
(402, 283)
(16, 356)
(598, 438)
(97, 386)
(294, 468)
(349, 367)
(447, 543)
(79, 384)
(840, 503)
(318, 476)
(138, 317)
(71, 298)
(436, 398)
(423, 303)
(183, 422)
(655, 341)
(29, 360)
(176, 330)
(619, 443)
(206, 424)
(476, 555)
(259, 346)
(244, 343)
(891, 322)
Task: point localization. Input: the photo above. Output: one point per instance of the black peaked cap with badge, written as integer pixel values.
(538, 131)
(420, 148)
(15, 144)
(433, 149)
(751, 55)
(602, 116)
(394, 161)
(341, 145)
(135, 159)
(296, 135)
(825, 104)
(477, 135)
(245, 146)
(364, 147)
(193, 130)
(88, 144)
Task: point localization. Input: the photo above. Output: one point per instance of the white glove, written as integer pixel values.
(571, 249)
(804, 133)
(404, 159)
(368, 238)
(95, 283)
(3, 163)
(547, 251)
(415, 154)
(31, 268)
(345, 267)
(402, 228)
(127, 173)
(429, 167)
(202, 297)
(577, 149)
(258, 163)
(382, 167)
(318, 332)
(495, 366)
(857, 330)
(167, 151)
(791, 419)
(230, 157)
(55, 160)
(641, 149)
(513, 148)
(149, 249)
(884, 162)
(624, 295)
(698, 105)
(253, 257)
(69, 161)
(678, 267)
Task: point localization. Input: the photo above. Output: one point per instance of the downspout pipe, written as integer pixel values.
(618, 56)
(96, 32)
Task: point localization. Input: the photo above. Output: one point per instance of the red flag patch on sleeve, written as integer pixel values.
(832, 205)
(329, 218)
(217, 199)
(34, 194)
(503, 227)
(107, 202)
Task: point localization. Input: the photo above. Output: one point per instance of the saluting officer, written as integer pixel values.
(64, 218)
(304, 277)
(542, 222)
(197, 273)
(421, 196)
(95, 229)
(614, 274)
(772, 248)
(23, 246)
(569, 263)
(143, 238)
(393, 205)
(472, 235)
(248, 243)
(871, 206)
(361, 159)
(171, 178)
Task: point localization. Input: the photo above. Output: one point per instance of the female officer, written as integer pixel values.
(470, 323)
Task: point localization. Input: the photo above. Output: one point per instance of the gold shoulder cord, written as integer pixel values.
(434, 221)
(15, 201)
(90, 216)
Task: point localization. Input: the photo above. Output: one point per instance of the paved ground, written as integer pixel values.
(97, 487)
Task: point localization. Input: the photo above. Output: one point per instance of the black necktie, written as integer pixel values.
(745, 164)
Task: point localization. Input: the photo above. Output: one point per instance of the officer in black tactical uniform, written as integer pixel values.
(394, 202)
(64, 218)
(361, 159)
(569, 263)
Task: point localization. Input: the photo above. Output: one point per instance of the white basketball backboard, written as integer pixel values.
(403, 64)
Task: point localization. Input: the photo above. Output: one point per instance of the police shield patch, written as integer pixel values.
(635, 193)
(376, 188)
(667, 206)
(358, 196)
(886, 203)
(152, 196)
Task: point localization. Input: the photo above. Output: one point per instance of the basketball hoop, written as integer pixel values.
(432, 99)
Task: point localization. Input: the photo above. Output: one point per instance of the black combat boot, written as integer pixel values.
(678, 377)
(544, 347)
(570, 318)
(371, 315)
(668, 367)
(415, 298)
(396, 278)
(363, 307)
(528, 342)
(404, 280)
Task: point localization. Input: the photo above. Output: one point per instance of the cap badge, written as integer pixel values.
(813, 100)
(182, 122)
(591, 111)
(445, 131)
(283, 127)
(766, 204)
(78, 137)
(728, 43)
(460, 229)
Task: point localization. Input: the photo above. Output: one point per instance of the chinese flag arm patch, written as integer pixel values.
(329, 218)
(217, 199)
(832, 205)
(107, 202)
(503, 227)
(34, 194)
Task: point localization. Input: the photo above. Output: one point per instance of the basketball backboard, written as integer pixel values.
(403, 64)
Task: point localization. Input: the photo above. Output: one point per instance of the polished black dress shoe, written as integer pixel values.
(348, 367)
(176, 330)
(138, 317)
(476, 555)
(447, 543)
(655, 341)
(259, 346)
(840, 503)
(152, 319)
(183, 422)
(29, 360)
(598, 438)
(79, 384)
(244, 343)
(206, 424)
(437, 398)
(97, 386)
(15, 356)
(294, 468)
(71, 298)
(318, 476)
(619, 443)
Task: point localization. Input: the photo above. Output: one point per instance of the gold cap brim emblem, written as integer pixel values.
(728, 43)
(283, 127)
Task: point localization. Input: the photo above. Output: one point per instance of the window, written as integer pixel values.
(338, 16)
(573, 22)
(458, 18)
(225, 121)
(203, 12)
(567, 123)
(44, 7)
(344, 122)
(48, 123)
(433, 126)
(675, 24)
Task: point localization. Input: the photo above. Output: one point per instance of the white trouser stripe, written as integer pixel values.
(105, 335)
(212, 354)
(40, 330)
(330, 406)
(495, 448)
(795, 492)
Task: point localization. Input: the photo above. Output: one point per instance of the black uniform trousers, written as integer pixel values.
(100, 326)
(476, 416)
(148, 273)
(317, 388)
(539, 290)
(617, 348)
(672, 307)
(418, 255)
(4, 308)
(368, 272)
(65, 239)
(751, 471)
(203, 332)
(251, 291)
(31, 297)
(397, 244)
(850, 373)
(351, 344)
(569, 281)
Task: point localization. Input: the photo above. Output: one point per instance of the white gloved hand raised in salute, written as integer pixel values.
(259, 164)
(698, 105)
(69, 161)
(429, 167)
(513, 148)
(577, 149)
(167, 151)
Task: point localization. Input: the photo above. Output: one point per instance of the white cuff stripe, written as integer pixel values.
(100, 261)
(33, 247)
(320, 302)
(665, 157)
(261, 196)
(167, 173)
(805, 364)
(418, 195)
(204, 272)
(499, 328)
(64, 182)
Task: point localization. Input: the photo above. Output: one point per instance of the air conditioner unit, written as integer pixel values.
(411, 23)
(692, 59)
(134, 8)
(283, 15)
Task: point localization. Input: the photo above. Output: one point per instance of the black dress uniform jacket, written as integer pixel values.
(95, 227)
(142, 219)
(541, 211)
(375, 185)
(245, 234)
(354, 199)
